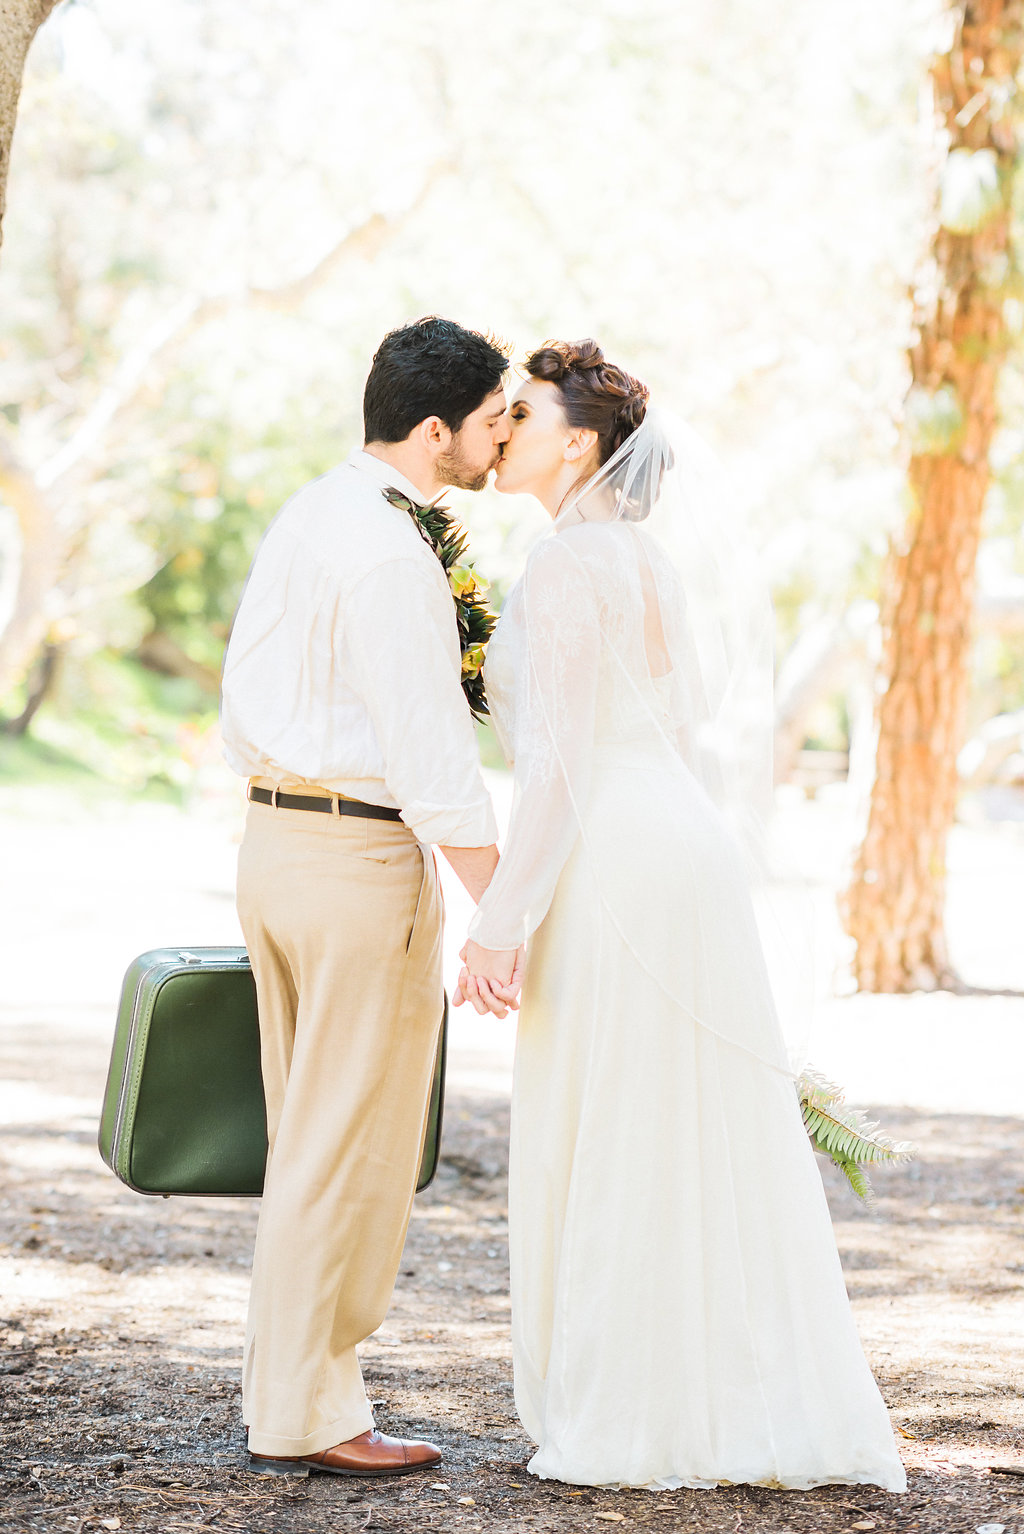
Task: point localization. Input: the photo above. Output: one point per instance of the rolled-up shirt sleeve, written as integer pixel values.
(401, 638)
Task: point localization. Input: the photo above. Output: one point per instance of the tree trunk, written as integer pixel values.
(38, 497)
(894, 908)
(39, 556)
(161, 653)
(40, 681)
(20, 20)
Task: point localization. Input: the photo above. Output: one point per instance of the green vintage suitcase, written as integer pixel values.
(183, 1110)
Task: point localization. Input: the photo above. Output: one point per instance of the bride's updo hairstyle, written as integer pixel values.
(596, 395)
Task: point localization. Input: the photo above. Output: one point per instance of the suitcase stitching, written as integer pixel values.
(130, 1086)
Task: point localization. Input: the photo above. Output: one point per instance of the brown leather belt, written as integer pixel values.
(334, 805)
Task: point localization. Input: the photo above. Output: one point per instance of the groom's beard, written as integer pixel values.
(456, 470)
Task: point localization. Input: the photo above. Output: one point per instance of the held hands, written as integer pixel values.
(490, 979)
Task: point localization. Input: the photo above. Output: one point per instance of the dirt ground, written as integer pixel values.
(121, 1316)
(120, 1403)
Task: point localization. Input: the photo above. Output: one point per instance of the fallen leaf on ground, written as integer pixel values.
(611, 1517)
(865, 1523)
(467, 1502)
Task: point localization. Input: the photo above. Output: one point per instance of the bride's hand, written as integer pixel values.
(490, 979)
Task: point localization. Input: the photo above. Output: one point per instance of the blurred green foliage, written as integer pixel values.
(114, 725)
(214, 501)
(754, 274)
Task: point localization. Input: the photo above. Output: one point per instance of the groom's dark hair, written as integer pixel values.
(431, 367)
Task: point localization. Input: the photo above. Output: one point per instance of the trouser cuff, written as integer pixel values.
(339, 1431)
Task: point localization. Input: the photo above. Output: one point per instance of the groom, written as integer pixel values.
(343, 706)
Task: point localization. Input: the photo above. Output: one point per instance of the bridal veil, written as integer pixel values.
(640, 617)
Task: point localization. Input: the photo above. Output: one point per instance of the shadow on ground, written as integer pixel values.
(121, 1317)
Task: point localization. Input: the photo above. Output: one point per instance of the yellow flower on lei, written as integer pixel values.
(472, 660)
(465, 582)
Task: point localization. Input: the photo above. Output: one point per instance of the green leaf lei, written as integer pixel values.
(439, 529)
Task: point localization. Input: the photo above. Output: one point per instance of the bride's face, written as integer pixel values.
(541, 443)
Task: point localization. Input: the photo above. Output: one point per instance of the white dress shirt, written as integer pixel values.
(344, 669)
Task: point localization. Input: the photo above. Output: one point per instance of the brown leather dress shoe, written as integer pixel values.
(371, 1453)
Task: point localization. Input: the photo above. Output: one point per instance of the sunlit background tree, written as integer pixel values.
(214, 213)
(967, 305)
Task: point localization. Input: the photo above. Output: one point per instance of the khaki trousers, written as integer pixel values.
(342, 920)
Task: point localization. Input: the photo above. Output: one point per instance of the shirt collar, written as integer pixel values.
(383, 472)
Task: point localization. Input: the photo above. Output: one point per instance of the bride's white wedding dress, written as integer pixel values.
(679, 1314)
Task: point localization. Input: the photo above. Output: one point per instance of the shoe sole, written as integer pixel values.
(267, 1467)
(303, 1469)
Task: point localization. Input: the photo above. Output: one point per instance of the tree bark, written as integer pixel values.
(20, 20)
(894, 908)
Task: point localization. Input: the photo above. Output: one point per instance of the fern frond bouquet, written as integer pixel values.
(853, 1141)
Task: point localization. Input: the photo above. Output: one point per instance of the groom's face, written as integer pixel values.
(475, 448)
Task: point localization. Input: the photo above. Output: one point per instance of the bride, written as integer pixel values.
(679, 1316)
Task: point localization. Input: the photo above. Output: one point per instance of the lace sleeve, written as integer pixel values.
(556, 655)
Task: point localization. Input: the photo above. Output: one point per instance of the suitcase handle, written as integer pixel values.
(187, 957)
